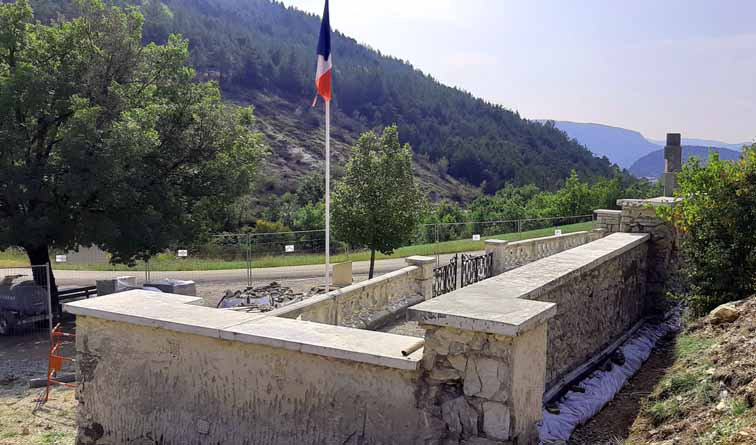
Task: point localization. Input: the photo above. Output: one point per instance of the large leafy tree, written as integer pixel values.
(105, 141)
(377, 204)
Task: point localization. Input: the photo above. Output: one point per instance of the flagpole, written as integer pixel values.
(328, 196)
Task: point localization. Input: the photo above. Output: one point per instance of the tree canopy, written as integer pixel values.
(105, 141)
(377, 204)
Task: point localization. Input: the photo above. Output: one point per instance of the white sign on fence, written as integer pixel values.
(183, 253)
(60, 258)
(289, 248)
(476, 237)
(558, 232)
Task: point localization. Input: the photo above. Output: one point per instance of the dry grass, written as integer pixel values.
(707, 396)
(20, 424)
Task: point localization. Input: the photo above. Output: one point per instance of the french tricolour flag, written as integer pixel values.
(323, 75)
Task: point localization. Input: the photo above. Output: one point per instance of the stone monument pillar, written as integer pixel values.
(672, 163)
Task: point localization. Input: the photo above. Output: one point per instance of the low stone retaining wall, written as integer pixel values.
(599, 289)
(155, 368)
(489, 347)
(509, 255)
(365, 304)
(370, 303)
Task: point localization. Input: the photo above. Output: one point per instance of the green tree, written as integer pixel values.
(377, 203)
(717, 220)
(104, 141)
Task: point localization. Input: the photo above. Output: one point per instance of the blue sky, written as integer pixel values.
(653, 66)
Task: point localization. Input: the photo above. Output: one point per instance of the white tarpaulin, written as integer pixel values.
(576, 408)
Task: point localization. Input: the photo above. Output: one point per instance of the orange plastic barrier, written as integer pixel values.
(55, 361)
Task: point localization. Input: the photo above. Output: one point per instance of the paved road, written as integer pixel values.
(88, 277)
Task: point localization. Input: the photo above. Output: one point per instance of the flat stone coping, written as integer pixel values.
(176, 313)
(505, 304)
(652, 202)
(483, 311)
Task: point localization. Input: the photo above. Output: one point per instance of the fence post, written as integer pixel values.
(49, 298)
(435, 246)
(249, 260)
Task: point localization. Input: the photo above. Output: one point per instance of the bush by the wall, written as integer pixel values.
(717, 220)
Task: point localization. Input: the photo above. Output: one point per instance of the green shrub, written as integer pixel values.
(717, 220)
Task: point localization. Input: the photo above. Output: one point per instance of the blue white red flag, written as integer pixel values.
(323, 74)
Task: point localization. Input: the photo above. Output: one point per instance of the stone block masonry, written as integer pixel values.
(639, 216)
(509, 255)
(493, 348)
(156, 367)
(672, 163)
(608, 220)
(369, 303)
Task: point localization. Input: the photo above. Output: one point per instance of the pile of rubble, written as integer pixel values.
(264, 298)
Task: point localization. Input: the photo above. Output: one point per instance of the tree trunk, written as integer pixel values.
(39, 257)
(372, 263)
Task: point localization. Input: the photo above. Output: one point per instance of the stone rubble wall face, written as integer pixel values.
(594, 308)
(609, 220)
(358, 304)
(356, 308)
(663, 251)
(481, 386)
(146, 385)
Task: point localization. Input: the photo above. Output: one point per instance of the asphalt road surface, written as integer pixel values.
(88, 277)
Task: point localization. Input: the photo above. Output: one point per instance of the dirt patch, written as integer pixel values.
(699, 388)
(614, 422)
(24, 356)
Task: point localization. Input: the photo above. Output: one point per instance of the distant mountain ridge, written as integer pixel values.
(628, 147)
(652, 164)
(620, 145)
(704, 143)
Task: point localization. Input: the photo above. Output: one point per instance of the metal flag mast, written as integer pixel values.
(328, 195)
(323, 85)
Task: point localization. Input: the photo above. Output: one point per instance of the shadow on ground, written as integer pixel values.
(612, 425)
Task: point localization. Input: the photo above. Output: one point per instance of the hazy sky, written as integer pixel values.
(654, 66)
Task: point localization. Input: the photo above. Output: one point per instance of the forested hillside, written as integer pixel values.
(264, 53)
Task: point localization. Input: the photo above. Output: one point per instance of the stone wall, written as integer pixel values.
(154, 369)
(369, 303)
(509, 255)
(608, 220)
(595, 306)
(639, 216)
(484, 385)
(489, 354)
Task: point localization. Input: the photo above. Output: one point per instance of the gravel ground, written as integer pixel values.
(211, 292)
(404, 327)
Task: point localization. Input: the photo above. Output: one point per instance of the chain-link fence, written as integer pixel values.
(25, 317)
(469, 236)
(25, 301)
(235, 262)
